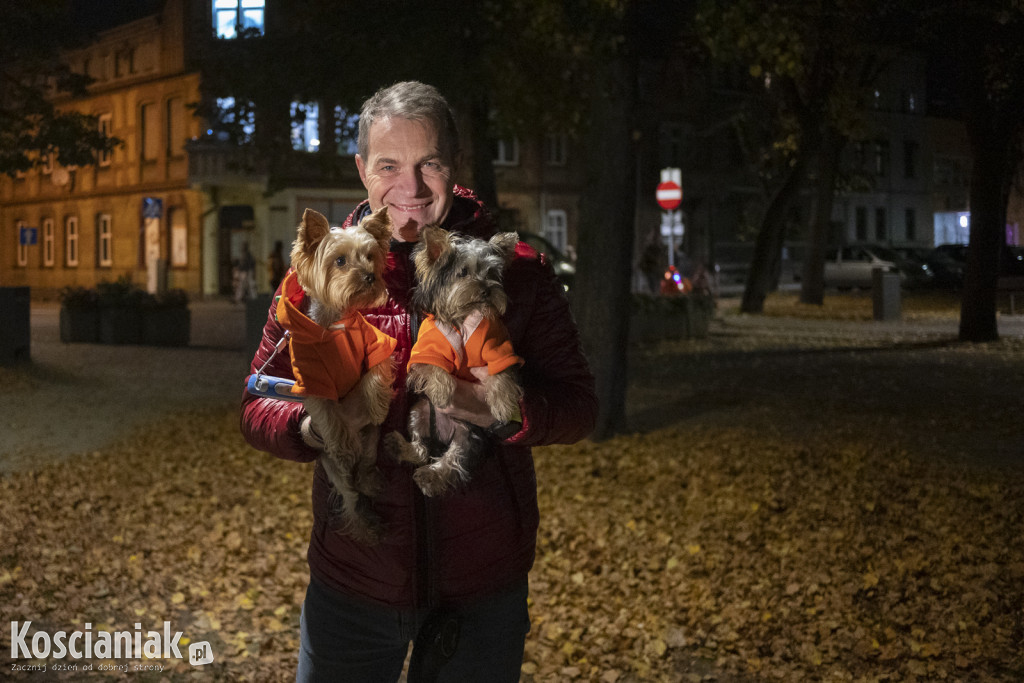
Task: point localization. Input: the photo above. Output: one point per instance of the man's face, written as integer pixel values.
(407, 172)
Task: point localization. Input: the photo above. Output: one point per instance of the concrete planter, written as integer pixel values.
(79, 324)
(682, 317)
(120, 325)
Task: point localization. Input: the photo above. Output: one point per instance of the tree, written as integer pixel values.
(977, 48)
(31, 76)
(813, 60)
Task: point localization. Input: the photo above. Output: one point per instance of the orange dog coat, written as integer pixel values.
(328, 362)
(480, 342)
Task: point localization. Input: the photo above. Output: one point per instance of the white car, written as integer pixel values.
(852, 266)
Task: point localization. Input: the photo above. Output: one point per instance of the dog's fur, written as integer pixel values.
(340, 271)
(457, 277)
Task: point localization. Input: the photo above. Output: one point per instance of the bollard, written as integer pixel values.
(15, 333)
(885, 294)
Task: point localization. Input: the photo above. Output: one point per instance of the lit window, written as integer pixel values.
(48, 248)
(233, 16)
(506, 152)
(305, 126)
(233, 120)
(71, 241)
(105, 238)
(346, 132)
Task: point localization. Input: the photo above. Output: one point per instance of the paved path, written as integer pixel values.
(78, 398)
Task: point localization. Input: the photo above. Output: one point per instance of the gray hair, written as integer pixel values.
(414, 101)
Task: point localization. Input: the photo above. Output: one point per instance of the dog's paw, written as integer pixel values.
(397, 448)
(433, 481)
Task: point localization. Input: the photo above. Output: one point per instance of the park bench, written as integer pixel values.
(1012, 285)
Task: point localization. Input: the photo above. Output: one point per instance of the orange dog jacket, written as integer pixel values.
(328, 362)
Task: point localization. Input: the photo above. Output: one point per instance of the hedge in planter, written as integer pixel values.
(166, 320)
(120, 311)
(79, 315)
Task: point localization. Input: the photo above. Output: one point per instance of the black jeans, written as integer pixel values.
(343, 639)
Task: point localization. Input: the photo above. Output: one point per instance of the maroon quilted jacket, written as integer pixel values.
(482, 537)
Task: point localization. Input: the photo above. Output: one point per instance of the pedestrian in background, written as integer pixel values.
(275, 265)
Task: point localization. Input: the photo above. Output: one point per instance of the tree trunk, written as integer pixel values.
(768, 246)
(990, 168)
(485, 182)
(601, 298)
(812, 287)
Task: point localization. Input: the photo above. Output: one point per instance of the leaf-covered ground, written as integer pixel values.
(802, 502)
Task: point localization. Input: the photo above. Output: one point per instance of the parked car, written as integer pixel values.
(565, 268)
(1011, 258)
(942, 269)
(852, 266)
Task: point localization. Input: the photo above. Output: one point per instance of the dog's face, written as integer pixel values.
(342, 269)
(458, 276)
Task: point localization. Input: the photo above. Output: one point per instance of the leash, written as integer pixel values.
(267, 386)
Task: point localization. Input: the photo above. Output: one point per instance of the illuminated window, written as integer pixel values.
(234, 119)
(71, 241)
(104, 241)
(305, 126)
(230, 17)
(346, 132)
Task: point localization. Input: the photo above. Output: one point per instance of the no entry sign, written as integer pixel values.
(669, 195)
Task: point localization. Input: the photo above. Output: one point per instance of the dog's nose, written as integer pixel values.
(369, 278)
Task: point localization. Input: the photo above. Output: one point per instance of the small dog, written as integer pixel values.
(460, 290)
(334, 351)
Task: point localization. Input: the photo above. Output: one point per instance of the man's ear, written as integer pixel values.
(361, 167)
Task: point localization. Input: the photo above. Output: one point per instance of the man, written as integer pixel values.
(451, 571)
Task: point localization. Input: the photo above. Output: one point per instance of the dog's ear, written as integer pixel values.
(505, 243)
(312, 229)
(435, 243)
(378, 224)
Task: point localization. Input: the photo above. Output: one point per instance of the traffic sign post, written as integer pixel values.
(669, 195)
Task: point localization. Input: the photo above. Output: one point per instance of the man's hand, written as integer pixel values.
(353, 413)
(468, 402)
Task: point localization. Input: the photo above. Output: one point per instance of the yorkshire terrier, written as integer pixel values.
(460, 290)
(334, 351)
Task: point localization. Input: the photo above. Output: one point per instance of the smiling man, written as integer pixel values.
(407, 159)
(451, 571)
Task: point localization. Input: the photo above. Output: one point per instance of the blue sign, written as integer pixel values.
(29, 236)
(152, 207)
